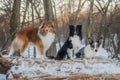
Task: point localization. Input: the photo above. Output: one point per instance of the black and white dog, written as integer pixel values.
(91, 49)
(72, 44)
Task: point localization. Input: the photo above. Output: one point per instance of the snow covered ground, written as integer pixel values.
(36, 68)
(2, 77)
(31, 68)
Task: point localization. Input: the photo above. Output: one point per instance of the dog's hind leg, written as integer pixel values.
(16, 43)
(23, 47)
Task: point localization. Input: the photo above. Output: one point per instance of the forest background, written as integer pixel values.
(97, 17)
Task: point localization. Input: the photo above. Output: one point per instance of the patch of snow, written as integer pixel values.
(29, 52)
(102, 53)
(5, 56)
(58, 46)
(10, 76)
(100, 68)
(2, 77)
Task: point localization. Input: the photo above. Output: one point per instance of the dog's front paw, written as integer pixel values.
(43, 57)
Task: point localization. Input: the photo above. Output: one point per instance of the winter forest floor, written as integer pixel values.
(86, 69)
(99, 68)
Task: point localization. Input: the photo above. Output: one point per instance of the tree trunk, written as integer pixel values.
(48, 10)
(32, 7)
(104, 27)
(103, 9)
(49, 16)
(56, 24)
(89, 28)
(15, 18)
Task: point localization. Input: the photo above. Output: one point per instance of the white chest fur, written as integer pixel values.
(88, 52)
(47, 40)
(76, 43)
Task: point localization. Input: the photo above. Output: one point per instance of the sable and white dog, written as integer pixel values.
(72, 44)
(90, 50)
(41, 38)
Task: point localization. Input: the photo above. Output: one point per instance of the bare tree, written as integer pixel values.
(5, 13)
(90, 21)
(80, 6)
(15, 18)
(103, 9)
(48, 10)
(38, 9)
(25, 12)
(14, 21)
(115, 38)
(56, 24)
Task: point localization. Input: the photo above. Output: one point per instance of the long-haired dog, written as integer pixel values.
(90, 50)
(72, 44)
(41, 37)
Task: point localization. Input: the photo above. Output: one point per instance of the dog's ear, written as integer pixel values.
(71, 30)
(46, 22)
(51, 23)
(100, 40)
(90, 40)
(71, 27)
(79, 26)
(79, 31)
(42, 24)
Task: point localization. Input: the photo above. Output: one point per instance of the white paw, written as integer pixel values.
(44, 58)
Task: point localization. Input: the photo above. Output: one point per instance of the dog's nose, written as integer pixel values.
(96, 50)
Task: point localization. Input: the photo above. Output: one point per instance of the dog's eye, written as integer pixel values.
(92, 46)
(46, 30)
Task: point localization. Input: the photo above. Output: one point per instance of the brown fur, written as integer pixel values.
(30, 35)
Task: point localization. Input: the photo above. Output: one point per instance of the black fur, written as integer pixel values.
(79, 31)
(81, 53)
(62, 53)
